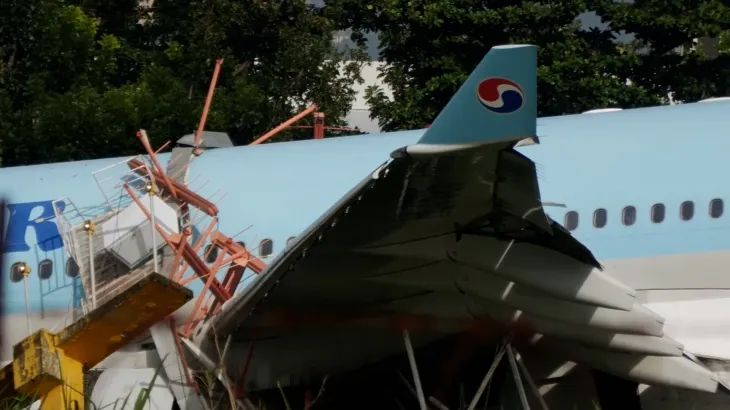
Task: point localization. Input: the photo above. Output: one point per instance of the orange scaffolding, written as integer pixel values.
(229, 253)
(223, 251)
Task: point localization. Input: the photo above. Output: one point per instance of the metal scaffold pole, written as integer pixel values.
(414, 370)
(529, 380)
(25, 270)
(516, 376)
(89, 228)
(151, 192)
(488, 376)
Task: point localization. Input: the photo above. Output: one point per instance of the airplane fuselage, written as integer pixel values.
(613, 171)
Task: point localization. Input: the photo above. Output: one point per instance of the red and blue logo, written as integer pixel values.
(500, 95)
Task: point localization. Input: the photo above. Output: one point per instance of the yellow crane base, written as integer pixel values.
(50, 366)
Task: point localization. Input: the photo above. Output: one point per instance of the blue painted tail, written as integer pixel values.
(498, 102)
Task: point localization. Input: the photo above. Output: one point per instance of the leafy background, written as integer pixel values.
(79, 77)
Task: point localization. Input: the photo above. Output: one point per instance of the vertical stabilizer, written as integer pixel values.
(498, 102)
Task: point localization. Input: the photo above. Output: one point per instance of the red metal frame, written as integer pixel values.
(178, 345)
(318, 125)
(215, 292)
(208, 100)
(284, 125)
(319, 128)
(230, 253)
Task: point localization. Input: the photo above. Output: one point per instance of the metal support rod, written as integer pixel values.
(208, 100)
(92, 268)
(2, 252)
(516, 376)
(284, 124)
(152, 229)
(487, 378)
(436, 403)
(27, 305)
(414, 370)
(142, 135)
(530, 381)
(504, 255)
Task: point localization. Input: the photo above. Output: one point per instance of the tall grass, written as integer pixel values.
(210, 380)
(22, 402)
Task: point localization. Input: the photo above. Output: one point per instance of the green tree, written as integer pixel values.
(278, 56)
(79, 77)
(49, 52)
(681, 46)
(431, 46)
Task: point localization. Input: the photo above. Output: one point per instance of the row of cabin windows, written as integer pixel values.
(657, 214)
(266, 249)
(45, 267)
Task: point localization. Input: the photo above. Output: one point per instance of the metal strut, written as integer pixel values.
(414, 370)
(516, 376)
(234, 256)
(488, 376)
(530, 381)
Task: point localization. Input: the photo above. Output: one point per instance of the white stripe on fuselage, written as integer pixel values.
(691, 291)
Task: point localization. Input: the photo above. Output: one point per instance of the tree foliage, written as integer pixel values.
(432, 45)
(79, 77)
(698, 28)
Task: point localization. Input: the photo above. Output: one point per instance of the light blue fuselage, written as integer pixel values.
(610, 160)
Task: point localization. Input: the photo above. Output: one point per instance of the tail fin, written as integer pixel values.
(498, 102)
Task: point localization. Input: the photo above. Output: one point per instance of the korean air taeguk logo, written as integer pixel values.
(500, 95)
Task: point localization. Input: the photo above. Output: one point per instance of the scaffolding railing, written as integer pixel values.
(190, 260)
(100, 238)
(70, 317)
(150, 220)
(141, 202)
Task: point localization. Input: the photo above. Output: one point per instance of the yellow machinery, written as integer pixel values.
(50, 367)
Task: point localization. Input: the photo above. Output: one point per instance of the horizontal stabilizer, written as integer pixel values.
(548, 271)
(651, 345)
(530, 265)
(638, 320)
(653, 370)
(449, 276)
(498, 102)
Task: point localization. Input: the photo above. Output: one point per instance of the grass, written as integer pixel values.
(219, 393)
(209, 381)
(140, 402)
(143, 397)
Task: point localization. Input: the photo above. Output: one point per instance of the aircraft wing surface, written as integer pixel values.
(447, 233)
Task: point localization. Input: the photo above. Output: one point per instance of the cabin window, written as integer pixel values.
(628, 215)
(687, 210)
(45, 269)
(72, 269)
(211, 253)
(600, 217)
(290, 240)
(15, 273)
(266, 248)
(657, 213)
(571, 220)
(716, 208)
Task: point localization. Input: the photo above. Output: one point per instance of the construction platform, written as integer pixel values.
(50, 366)
(135, 252)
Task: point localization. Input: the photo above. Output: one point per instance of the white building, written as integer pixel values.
(359, 116)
